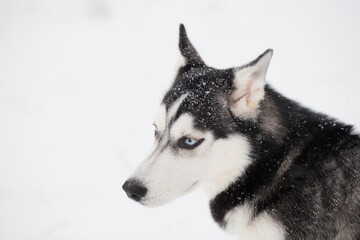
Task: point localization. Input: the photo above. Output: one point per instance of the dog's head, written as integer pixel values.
(197, 141)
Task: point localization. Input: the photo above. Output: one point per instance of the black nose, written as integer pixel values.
(134, 189)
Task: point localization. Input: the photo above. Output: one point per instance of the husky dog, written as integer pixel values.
(272, 169)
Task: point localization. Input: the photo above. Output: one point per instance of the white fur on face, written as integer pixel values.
(227, 160)
(170, 172)
(240, 222)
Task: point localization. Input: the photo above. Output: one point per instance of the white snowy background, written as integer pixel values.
(80, 81)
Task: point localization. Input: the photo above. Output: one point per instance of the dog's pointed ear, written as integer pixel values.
(187, 50)
(249, 84)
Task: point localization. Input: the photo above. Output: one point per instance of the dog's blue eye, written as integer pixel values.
(188, 143)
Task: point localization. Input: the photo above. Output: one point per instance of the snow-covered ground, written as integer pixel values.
(80, 82)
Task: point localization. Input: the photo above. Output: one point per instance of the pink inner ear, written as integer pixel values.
(234, 99)
(246, 98)
(249, 87)
(243, 91)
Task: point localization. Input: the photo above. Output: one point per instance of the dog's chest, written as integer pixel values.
(239, 221)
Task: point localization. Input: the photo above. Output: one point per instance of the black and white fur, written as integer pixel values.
(272, 169)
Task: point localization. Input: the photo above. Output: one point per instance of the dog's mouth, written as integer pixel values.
(192, 187)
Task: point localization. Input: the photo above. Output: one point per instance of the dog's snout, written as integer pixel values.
(134, 189)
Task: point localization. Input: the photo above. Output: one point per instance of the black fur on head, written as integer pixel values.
(206, 101)
(209, 90)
